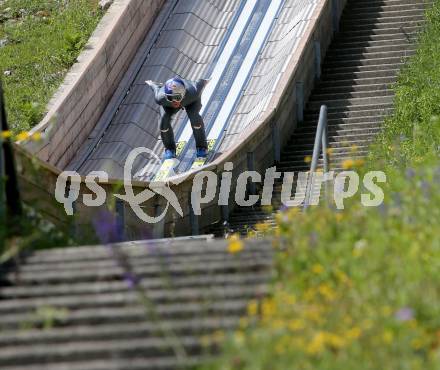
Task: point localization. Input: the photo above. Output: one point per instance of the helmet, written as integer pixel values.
(175, 89)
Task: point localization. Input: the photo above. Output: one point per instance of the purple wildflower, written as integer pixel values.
(383, 209)
(106, 227)
(410, 173)
(313, 239)
(437, 175)
(426, 187)
(404, 314)
(131, 279)
(397, 199)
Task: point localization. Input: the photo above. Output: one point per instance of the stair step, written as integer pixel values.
(359, 75)
(347, 89)
(359, 56)
(347, 38)
(43, 354)
(338, 128)
(370, 49)
(353, 108)
(135, 361)
(362, 20)
(387, 10)
(384, 30)
(304, 150)
(118, 330)
(350, 103)
(350, 95)
(115, 287)
(353, 8)
(344, 44)
(131, 314)
(333, 134)
(367, 68)
(122, 299)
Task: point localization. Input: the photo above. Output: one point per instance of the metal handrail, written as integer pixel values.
(321, 142)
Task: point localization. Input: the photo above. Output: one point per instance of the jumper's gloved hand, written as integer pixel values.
(153, 84)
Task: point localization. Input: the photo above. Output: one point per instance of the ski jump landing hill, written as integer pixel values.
(262, 57)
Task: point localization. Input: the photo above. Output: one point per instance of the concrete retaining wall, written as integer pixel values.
(90, 84)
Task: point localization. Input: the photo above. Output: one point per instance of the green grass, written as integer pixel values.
(43, 40)
(360, 289)
(411, 130)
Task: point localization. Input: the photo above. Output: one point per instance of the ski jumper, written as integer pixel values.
(191, 103)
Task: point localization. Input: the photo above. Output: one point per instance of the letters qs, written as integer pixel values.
(99, 196)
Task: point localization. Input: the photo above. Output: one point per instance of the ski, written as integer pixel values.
(200, 161)
(168, 165)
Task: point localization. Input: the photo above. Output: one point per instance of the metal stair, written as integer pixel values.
(71, 309)
(363, 61)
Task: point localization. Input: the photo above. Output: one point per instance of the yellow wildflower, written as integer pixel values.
(359, 162)
(317, 344)
(354, 333)
(252, 308)
(308, 159)
(298, 342)
(293, 212)
(5, 134)
(387, 336)
(277, 324)
(417, 343)
(243, 323)
(347, 164)
(205, 341)
(267, 208)
(335, 341)
(239, 337)
(327, 291)
(22, 136)
(218, 336)
(280, 348)
(386, 310)
(342, 277)
(262, 227)
(313, 314)
(36, 136)
(235, 244)
(317, 269)
(295, 325)
(330, 151)
(309, 294)
(287, 298)
(268, 307)
(354, 148)
(412, 323)
(283, 344)
(367, 324)
(357, 252)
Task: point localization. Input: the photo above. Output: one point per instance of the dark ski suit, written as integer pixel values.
(191, 103)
